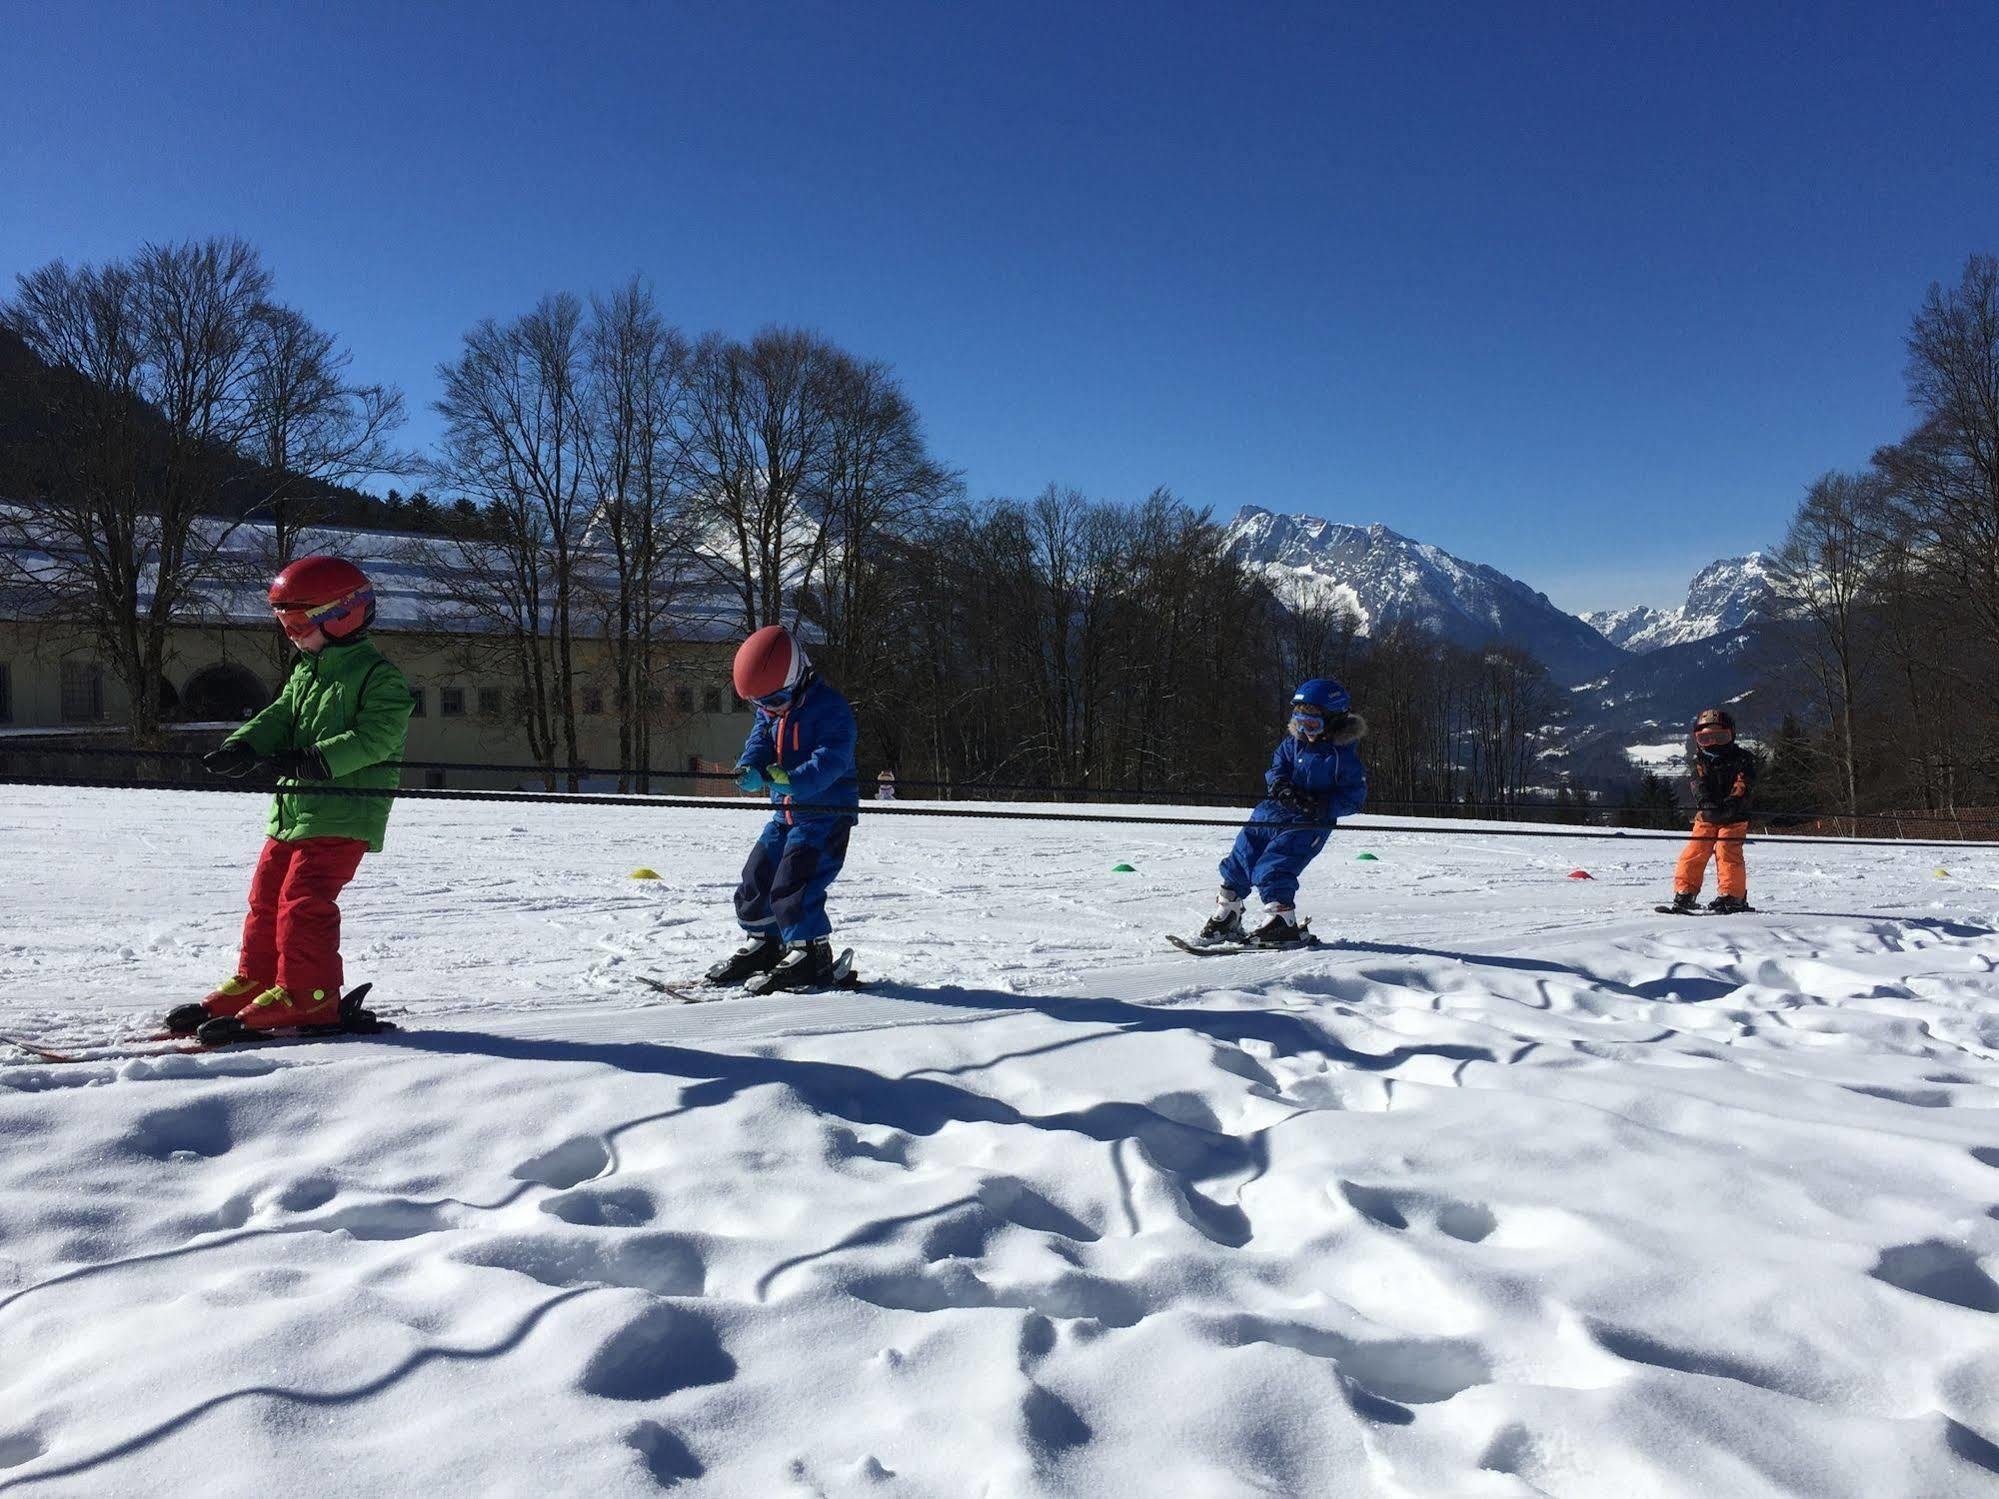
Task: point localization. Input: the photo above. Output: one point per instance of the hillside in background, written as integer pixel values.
(34, 441)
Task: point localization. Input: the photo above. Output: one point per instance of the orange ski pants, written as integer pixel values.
(1722, 842)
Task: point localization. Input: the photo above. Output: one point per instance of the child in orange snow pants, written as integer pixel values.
(1721, 775)
(1722, 842)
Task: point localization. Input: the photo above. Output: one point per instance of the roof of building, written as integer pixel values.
(424, 584)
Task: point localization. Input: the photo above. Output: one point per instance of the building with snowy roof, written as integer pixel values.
(227, 658)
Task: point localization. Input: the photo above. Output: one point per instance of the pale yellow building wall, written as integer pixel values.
(713, 730)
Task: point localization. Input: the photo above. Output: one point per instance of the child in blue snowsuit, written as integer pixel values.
(1315, 777)
(801, 751)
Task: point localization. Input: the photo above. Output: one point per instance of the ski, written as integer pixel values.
(685, 994)
(1704, 911)
(708, 990)
(92, 1051)
(180, 1046)
(1229, 949)
(170, 1043)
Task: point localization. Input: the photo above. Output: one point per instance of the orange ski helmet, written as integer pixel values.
(769, 667)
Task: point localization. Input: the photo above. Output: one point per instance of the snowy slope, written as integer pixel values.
(1385, 578)
(1723, 597)
(1524, 1191)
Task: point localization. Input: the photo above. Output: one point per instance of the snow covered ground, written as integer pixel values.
(1521, 1191)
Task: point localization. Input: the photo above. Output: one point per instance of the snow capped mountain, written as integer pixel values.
(1386, 578)
(1622, 626)
(1723, 596)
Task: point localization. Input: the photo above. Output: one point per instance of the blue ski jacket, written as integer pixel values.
(812, 742)
(1328, 772)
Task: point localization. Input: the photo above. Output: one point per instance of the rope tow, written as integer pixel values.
(1435, 828)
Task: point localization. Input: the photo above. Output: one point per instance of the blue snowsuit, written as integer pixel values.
(798, 854)
(1271, 851)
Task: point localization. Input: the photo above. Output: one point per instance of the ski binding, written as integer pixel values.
(1304, 941)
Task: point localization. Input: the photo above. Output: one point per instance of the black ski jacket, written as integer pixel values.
(1722, 782)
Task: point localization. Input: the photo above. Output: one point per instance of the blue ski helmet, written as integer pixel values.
(1324, 693)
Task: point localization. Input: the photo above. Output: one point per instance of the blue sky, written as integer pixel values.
(1587, 292)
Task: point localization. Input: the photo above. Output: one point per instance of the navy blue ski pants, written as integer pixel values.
(785, 881)
(1269, 857)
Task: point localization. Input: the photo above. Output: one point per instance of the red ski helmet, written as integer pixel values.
(769, 666)
(328, 596)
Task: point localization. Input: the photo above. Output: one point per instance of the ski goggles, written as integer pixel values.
(300, 620)
(1714, 736)
(1308, 719)
(776, 702)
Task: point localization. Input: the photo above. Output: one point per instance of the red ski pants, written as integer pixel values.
(292, 935)
(1723, 842)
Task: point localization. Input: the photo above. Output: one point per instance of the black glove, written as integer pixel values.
(230, 760)
(301, 765)
(1291, 798)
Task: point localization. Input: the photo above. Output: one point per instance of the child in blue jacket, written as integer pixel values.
(800, 751)
(1315, 778)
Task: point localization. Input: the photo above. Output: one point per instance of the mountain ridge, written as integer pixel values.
(1725, 596)
(1387, 578)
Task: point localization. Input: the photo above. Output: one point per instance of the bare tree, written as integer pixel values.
(1825, 573)
(758, 440)
(637, 394)
(879, 487)
(154, 396)
(515, 440)
(1945, 474)
(310, 428)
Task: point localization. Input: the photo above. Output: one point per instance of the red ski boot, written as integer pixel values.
(277, 1009)
(228, 999)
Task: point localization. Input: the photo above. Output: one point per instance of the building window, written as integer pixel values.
(417, 705)
(451, 702)
(711, 700)
(489, 702)
(82, 692)
(6, 693)
(683, 698)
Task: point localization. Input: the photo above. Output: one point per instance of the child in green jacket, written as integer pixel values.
(340, 723)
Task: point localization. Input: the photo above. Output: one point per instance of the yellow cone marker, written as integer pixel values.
(645, 874)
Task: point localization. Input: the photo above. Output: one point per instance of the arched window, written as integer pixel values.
(222, 693)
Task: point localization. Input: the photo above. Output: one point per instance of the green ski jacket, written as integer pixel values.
(352, 705)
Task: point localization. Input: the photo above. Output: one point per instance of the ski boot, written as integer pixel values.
(1728, 905)
(1226, 924)
(1281, 927)
(273, 1010)
(806, 965)
(759, 954)
(232, 995)
(1685, 902)
(276, 1010)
